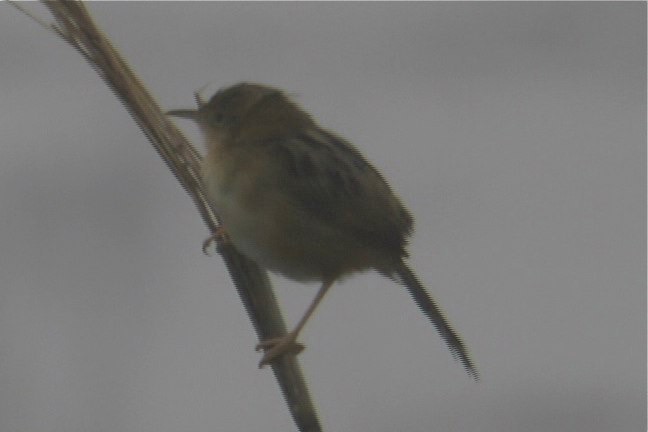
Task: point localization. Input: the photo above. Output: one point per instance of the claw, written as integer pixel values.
(219, 236)
(276, 347)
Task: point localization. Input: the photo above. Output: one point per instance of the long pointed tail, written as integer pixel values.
(429, 307)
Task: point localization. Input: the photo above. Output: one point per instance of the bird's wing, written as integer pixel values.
(330, 180)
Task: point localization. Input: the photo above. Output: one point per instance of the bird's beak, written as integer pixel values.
(184, 113)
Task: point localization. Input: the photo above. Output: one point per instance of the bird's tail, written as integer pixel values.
(428, 306)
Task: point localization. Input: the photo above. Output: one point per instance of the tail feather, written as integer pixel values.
(429, 307)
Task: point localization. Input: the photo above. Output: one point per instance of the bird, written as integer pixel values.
(303, 202)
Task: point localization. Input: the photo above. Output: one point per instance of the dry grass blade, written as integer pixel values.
(75, 25)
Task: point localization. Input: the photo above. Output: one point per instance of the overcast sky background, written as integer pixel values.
(515, 132)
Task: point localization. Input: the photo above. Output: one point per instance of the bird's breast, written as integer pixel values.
(255, 215)
(266, 224)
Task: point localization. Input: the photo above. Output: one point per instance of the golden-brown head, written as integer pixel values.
(246, 111)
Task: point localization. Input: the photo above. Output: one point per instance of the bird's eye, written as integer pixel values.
(215, 117)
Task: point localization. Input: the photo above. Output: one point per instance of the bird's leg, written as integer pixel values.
(276, 347)
(219, 236)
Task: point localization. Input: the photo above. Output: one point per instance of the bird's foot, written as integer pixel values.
(219, 236)
(278, 346)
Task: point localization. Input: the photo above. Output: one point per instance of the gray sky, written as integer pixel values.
(515, 132)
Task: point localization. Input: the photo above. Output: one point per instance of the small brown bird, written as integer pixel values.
(303, 202)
